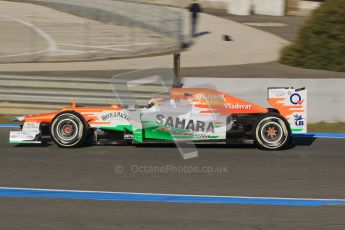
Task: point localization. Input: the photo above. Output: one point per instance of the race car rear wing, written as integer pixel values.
(292, 104)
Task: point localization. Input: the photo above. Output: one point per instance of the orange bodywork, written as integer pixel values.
(86, 112)
(213, 101)
(285, 110)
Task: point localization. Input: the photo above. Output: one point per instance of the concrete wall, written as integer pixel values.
(239, 7)
(245, 7)
(269, 7)
(264, 7)
(326, 97)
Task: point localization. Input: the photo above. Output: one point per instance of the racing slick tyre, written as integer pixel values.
(69, 130)
(272, 132)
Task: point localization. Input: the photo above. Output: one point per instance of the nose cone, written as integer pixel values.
(19, 118)
(44, 117)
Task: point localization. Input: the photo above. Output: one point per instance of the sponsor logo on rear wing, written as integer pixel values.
(292, 104)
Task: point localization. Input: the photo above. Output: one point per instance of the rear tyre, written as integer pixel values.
(69, 130)
(272, 132)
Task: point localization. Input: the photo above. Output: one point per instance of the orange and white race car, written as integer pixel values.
(189, 114)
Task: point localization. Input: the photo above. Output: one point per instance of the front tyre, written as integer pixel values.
(68, 130)
(272, 132)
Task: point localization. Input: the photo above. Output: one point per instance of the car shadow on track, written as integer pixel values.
(302, 141)
(33, 145)
(296, 141)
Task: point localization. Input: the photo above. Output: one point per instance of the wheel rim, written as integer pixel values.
(272, 132)
(67, 130)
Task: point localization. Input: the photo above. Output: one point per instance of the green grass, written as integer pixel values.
(321, 42)
(327, 127)
(318, 127)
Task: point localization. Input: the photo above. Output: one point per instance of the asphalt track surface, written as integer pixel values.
(314, 168)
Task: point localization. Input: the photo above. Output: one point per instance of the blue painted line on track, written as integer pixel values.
(165, 198)
(9, 126)
(320, 135)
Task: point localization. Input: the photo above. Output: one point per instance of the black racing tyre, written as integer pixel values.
(69, 129)
(272, 132)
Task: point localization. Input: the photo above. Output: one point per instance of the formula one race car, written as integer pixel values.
(199, 115)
